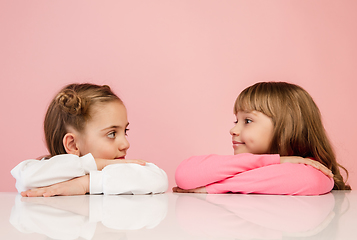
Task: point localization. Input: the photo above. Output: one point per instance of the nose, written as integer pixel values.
(235, 131)
(124, 144)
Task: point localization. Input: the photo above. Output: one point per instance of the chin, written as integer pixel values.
(240, 152)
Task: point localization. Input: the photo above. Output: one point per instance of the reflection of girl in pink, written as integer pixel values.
(254, 216)
(280, 147)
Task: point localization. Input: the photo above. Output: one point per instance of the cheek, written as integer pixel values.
(99, 149)
(104, 150)
(92, 148)
(249, 136)
(266, 141)
(257, 142)
(269, 135)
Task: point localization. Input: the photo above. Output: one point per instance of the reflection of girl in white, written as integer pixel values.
(85, 130)
(280, 147)
(88, 217)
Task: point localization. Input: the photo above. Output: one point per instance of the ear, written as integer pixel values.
(70, 144)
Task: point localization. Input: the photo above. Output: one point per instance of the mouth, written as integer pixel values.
(237, 143)
(122, 157)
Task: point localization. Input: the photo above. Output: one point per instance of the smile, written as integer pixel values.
(236, 143)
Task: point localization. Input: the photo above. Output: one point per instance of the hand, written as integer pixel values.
(78, 205)
(307, 161)
(101, 163)
(195, 190)
(75, 186)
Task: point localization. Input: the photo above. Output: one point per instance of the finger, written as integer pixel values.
(180, 190)
(140, 162)
(39, 192)
(33, 193)
(24, 194)
(176, 189)
(326, 171)
(320, 167)
(52, 191)
(49, 194)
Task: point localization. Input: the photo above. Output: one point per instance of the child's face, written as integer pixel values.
(252, 133)
(104, 135)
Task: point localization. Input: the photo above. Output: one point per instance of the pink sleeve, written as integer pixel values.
(198, 171)
(287, 178)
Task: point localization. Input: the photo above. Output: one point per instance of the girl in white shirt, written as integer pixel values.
(85, 131)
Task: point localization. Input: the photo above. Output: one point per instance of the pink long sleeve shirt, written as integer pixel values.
(249, 173)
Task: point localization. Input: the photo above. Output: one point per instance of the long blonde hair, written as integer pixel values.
(72, 106)
(298, 128)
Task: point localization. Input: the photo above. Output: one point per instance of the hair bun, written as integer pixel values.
(70, 102)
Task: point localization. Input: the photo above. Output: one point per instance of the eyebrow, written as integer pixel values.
(115, 127)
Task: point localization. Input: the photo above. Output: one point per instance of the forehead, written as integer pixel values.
(106, 114)
(245, 106)
(251, 104)
(248, 112)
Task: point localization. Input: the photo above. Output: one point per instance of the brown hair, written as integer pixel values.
(298, 128)
(72, 107)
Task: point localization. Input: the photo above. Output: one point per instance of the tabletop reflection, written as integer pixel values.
(180, 216)
(259, 216)
(88, 217)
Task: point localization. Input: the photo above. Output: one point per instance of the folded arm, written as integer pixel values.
(39, 173)
(127, 178)
(248, 173)
(287, 179)
(200, 171)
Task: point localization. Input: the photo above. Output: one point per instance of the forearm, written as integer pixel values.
(128, 178)
(287, 179)
(39, 173)
(200, 171)
(102, 163)
(75, 186)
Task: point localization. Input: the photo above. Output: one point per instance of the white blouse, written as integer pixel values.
(122, 178)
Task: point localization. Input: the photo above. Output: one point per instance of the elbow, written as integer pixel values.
(324, 184)
(319, 184)
(178, 178)
(162, 182)
(181, 179)
(305, 180)
(22, 183)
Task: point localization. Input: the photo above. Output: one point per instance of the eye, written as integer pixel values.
(126, 131)
(111, 134)
(247, 121)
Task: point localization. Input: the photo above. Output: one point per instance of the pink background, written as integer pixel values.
(178, 66)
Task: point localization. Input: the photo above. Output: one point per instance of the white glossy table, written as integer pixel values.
(180, 216)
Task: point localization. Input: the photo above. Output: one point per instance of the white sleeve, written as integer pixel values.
(39, 173)
(128, 178)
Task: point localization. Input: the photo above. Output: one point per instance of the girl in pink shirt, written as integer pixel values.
(280, 147)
